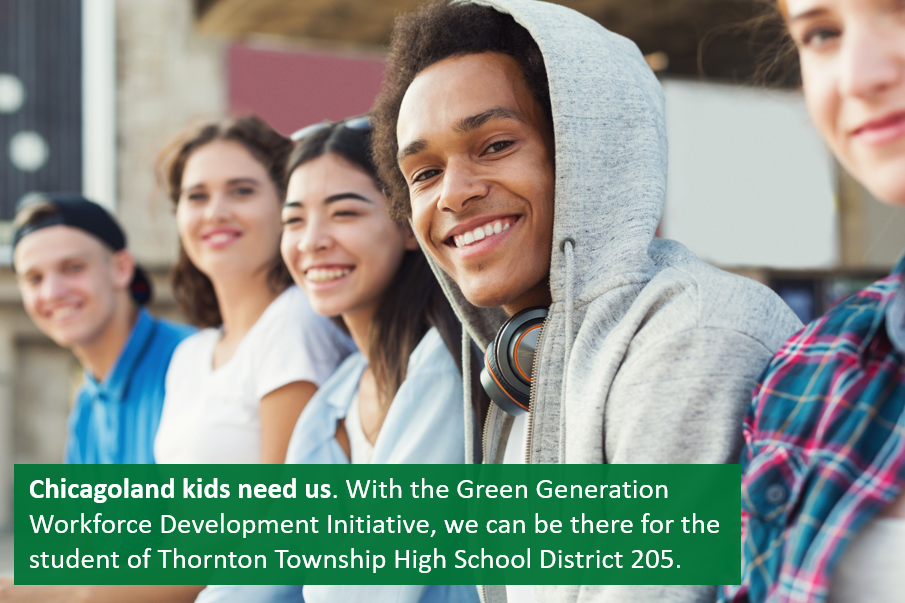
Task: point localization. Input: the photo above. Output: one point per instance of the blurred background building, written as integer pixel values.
(90, 91)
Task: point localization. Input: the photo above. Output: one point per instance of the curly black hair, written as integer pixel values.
(436, 31)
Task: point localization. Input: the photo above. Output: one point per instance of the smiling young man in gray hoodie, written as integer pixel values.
(539, 128)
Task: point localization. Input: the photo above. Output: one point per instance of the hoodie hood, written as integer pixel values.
(611, 154)
(648, 355)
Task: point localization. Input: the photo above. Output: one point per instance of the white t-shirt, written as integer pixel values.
(516, 447)
(871, 566)
(213, 416)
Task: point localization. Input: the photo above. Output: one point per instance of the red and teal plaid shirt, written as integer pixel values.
(824, 446)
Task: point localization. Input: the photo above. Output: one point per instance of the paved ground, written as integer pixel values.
(6, 554)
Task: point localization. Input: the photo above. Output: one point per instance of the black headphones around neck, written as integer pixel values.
(509, 360)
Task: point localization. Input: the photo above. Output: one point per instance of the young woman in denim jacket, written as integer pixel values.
(823, 510)
(399, 398)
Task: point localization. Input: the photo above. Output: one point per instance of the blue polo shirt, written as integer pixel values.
(115, 420)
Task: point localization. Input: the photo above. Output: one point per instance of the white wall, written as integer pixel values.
(168, 77)
(750, 181)
(99, 101)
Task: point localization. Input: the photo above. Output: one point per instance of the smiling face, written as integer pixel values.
(853, 70)
(477, 154)
(70, 283)
(339, 242)
(228, 214)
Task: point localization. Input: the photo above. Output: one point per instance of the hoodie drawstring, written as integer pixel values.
(466, 386)
(568, 248)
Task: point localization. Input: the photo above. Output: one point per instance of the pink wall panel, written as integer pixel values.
(293, 89)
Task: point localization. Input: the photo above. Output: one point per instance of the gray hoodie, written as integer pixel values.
(649, 355)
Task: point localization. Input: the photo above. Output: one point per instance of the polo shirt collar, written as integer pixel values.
(117, 380)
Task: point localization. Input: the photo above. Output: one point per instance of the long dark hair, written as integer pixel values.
(192, 289)
(413, 302)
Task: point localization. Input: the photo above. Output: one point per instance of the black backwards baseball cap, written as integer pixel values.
(75, 211)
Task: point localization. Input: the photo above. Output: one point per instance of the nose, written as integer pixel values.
(52, 287)
(461, 185)
(316, 236)
(217, 208)
(873, 60)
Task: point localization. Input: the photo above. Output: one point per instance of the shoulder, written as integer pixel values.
(841, 331)
(290, 325)
(848, 338)
(852, 319)
(349, 371)
(696, 295)
(293, 302)
(431, 355)
(431, 368)
(197, 343)
(291, 314)
(172, 332)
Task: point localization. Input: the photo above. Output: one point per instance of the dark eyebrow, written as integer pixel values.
(814, 12)
(466, 124)
(331, 199)
(76, 257)
(341, 196)
(414, 147)
(229, 182)
(243, 180)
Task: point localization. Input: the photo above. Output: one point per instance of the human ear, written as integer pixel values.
(122, 265)
(411, 242)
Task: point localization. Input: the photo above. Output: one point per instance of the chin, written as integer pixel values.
(325, 307)
(65, 339)
(891, 190)
(885, 180)
(489, 296)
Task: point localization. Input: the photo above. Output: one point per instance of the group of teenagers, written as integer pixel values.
(495, 214)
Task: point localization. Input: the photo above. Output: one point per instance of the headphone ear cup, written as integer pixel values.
(498, 388)
(507, 380)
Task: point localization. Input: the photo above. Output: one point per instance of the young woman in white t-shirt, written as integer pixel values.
(235, 389)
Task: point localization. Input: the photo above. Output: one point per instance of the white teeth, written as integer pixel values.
(480, 233)
(62, 313)
(221, 237)
(325, 275)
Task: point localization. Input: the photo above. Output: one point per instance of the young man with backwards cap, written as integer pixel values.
(83, 289)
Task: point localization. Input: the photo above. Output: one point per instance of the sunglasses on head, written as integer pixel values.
(359, 122)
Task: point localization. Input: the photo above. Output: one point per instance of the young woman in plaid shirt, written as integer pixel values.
(823, 511)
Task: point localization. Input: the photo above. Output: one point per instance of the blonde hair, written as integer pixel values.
(34, 212)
